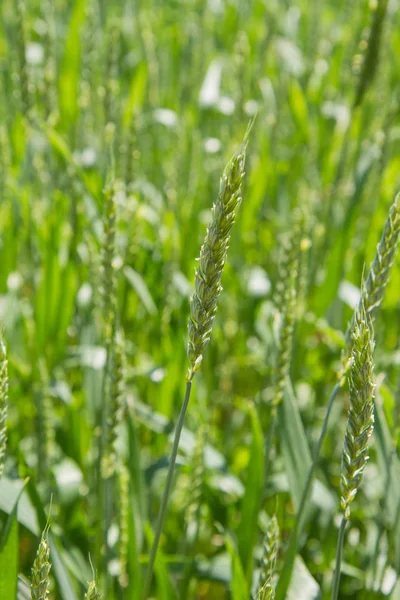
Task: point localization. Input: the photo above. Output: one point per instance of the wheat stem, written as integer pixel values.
(339, 554)
(166, 492)
(3, 404)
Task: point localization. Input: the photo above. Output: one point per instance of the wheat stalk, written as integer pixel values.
(203, 307)
(3, 404)
(123, 546)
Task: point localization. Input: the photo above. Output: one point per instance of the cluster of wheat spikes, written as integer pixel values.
(372, 293)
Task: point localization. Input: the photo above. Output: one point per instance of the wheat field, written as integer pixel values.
(199, 300)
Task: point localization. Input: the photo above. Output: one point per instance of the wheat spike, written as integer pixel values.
(266, 589)
(41, 571)
(373, 290)
(286, 297)
(109, 284)
(203, 303)
(116, 406)
(92, 592)
(360, 422)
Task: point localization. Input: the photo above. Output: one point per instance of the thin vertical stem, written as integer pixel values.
(166, 492)
(339, 553)
(269, 442)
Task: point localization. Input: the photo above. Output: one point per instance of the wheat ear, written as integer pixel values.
(285, 301)
(373, 290)
(92, 592)
(360, 425)
(3, 404)
(41, 571)
(203, 306)
(203, 303)
(266, 588)
(360, 422)
(115, 410)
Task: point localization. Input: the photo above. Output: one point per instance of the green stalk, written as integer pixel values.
(166, 493)
(339, 554)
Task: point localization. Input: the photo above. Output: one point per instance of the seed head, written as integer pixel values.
(360, 422)
(41, 571)
(373, 290)
(92, 592)
(203, 303)
(266, 590)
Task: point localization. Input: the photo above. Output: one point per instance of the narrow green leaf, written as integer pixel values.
(165, 591)
(239, 586)
(294, 444)
(9, 562)
(140, 287)
(303, 585)
(10, 520)
(248, 528)
(10, 491)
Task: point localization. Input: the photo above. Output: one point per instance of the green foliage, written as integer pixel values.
(116, 122)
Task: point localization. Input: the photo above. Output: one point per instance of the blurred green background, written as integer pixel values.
(157, 96)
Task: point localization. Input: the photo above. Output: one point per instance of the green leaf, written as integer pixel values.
(239, 587)
(165, 591)
(10, 519)
(140, 287)
(298, 106)
(137, 92)
(9, 562)
(248, 528)
(10, 491)
(294, 445)
(9, 552)
(388, 461)
(303, 585)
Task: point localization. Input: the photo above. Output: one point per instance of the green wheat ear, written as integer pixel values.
(360, 422)
(3, 403)
(116, 405)
(285, 300)
(373, 289)
(41, 571)
(266, 588)
(213, 252)
(92, 592)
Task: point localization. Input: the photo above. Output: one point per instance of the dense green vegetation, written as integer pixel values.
(116, 122)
